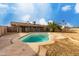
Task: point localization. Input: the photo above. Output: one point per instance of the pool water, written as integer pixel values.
(35, 37)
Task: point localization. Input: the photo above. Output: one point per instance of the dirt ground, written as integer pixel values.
(65, 47)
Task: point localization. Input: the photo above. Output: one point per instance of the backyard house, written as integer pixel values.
(27, 27)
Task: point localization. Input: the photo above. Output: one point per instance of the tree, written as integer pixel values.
(34, 22)
(64, 22)
(54, 27)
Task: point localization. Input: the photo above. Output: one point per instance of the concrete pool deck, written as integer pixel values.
(11, 46)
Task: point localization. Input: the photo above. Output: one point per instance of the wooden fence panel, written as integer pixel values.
(3, 30)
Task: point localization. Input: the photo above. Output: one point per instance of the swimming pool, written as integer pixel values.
(35, 37)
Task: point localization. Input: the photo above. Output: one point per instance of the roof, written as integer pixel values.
(25, 24)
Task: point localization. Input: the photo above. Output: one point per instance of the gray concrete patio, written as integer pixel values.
(9, 48)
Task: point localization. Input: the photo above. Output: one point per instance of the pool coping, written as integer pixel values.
(50, 41)
(34, 34)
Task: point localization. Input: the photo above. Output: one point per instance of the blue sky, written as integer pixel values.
(42, 13)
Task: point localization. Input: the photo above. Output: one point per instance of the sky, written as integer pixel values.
(42, 13)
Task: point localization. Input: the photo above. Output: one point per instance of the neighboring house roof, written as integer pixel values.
(25, 24)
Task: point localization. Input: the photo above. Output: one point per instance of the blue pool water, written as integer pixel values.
(35, 37)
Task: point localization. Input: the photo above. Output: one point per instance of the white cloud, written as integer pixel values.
(44, 9)
(66, 8)
(77, 8)
(35, 10)
(50, 21)
(13, 8)
(23, 11)
(69, 25)
(24, 8)
(42, 21)
(26, 18)
(3, 10)
(3, 5)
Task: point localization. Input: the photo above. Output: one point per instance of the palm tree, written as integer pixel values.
(34, 22)
(54, 27)
(64, 22)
